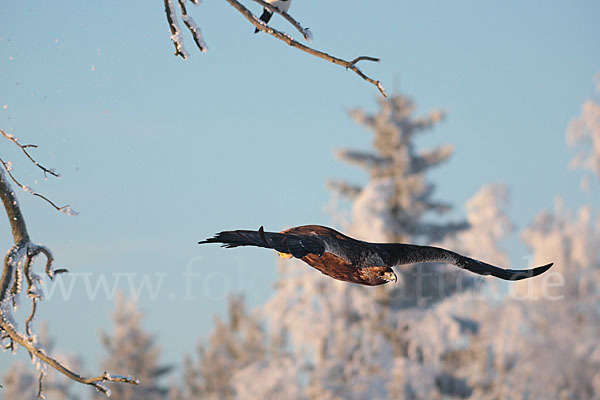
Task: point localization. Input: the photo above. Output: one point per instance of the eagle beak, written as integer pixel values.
(389, 276)
(284, 255)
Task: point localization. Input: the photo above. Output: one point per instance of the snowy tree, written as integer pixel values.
(129, 349)
(270, 6)
(559, 321)
(397, 172)
(355, 342)
(395, 204)
(543, 341)
(236, 352)
(439, 333)
(565, 355)
(583, 133)
(18, 271)
(20, 382)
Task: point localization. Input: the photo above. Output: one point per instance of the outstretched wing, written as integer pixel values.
(481, 268)
(399, 254)
(297, 245)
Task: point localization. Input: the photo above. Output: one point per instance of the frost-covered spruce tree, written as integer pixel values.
(354, 342)
(583, 133)
(395, 161)
(543, 341)
(234, 345)
(21, 382)
(130, 349)
(557, 350)
(566, 355)
(559, 322)
(359, 342)
(397, 199)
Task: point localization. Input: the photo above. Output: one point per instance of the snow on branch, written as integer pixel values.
(583, 133)
(177, 38)
(18, 263)
(191, 25)
(430, 158)
(8, 167)
(344, 188)
(303, 31)
(363, 159)
(176, 30)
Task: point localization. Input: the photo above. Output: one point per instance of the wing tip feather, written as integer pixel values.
(530, 273)
(542, 269)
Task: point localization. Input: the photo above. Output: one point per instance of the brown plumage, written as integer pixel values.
(346, 259)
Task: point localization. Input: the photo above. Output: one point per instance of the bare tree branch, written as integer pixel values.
(351, 65)
(175, 30)
(303, 31)
(191, 25)
(40, 393)
(7, 166)
(18, 262)
(177, 38)
(23, 148)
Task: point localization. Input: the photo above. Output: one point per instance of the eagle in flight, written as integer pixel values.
(346, 259)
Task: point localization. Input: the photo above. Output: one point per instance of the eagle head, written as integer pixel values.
(374, 276)
(389, 275)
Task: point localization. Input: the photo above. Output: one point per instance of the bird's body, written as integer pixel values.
(344, 258)
(281, 5)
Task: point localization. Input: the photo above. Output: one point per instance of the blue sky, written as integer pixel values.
(157, 153)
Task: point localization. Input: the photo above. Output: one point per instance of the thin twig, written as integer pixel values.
(40, 393)
(23, 148)
(30, 318)
(30, 291)
(303, 31)
(28, 189)
(351, 65)
(49, 260)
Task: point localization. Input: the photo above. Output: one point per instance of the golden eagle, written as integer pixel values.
(347, 259)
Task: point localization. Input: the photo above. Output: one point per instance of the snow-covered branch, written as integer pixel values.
(583, 133)
(430, 158)
(175, 29)
(351, 65)
(191, 25)
(344, 188)
(177, 38)
(18, 262)
(303, 31)
(363, 159)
